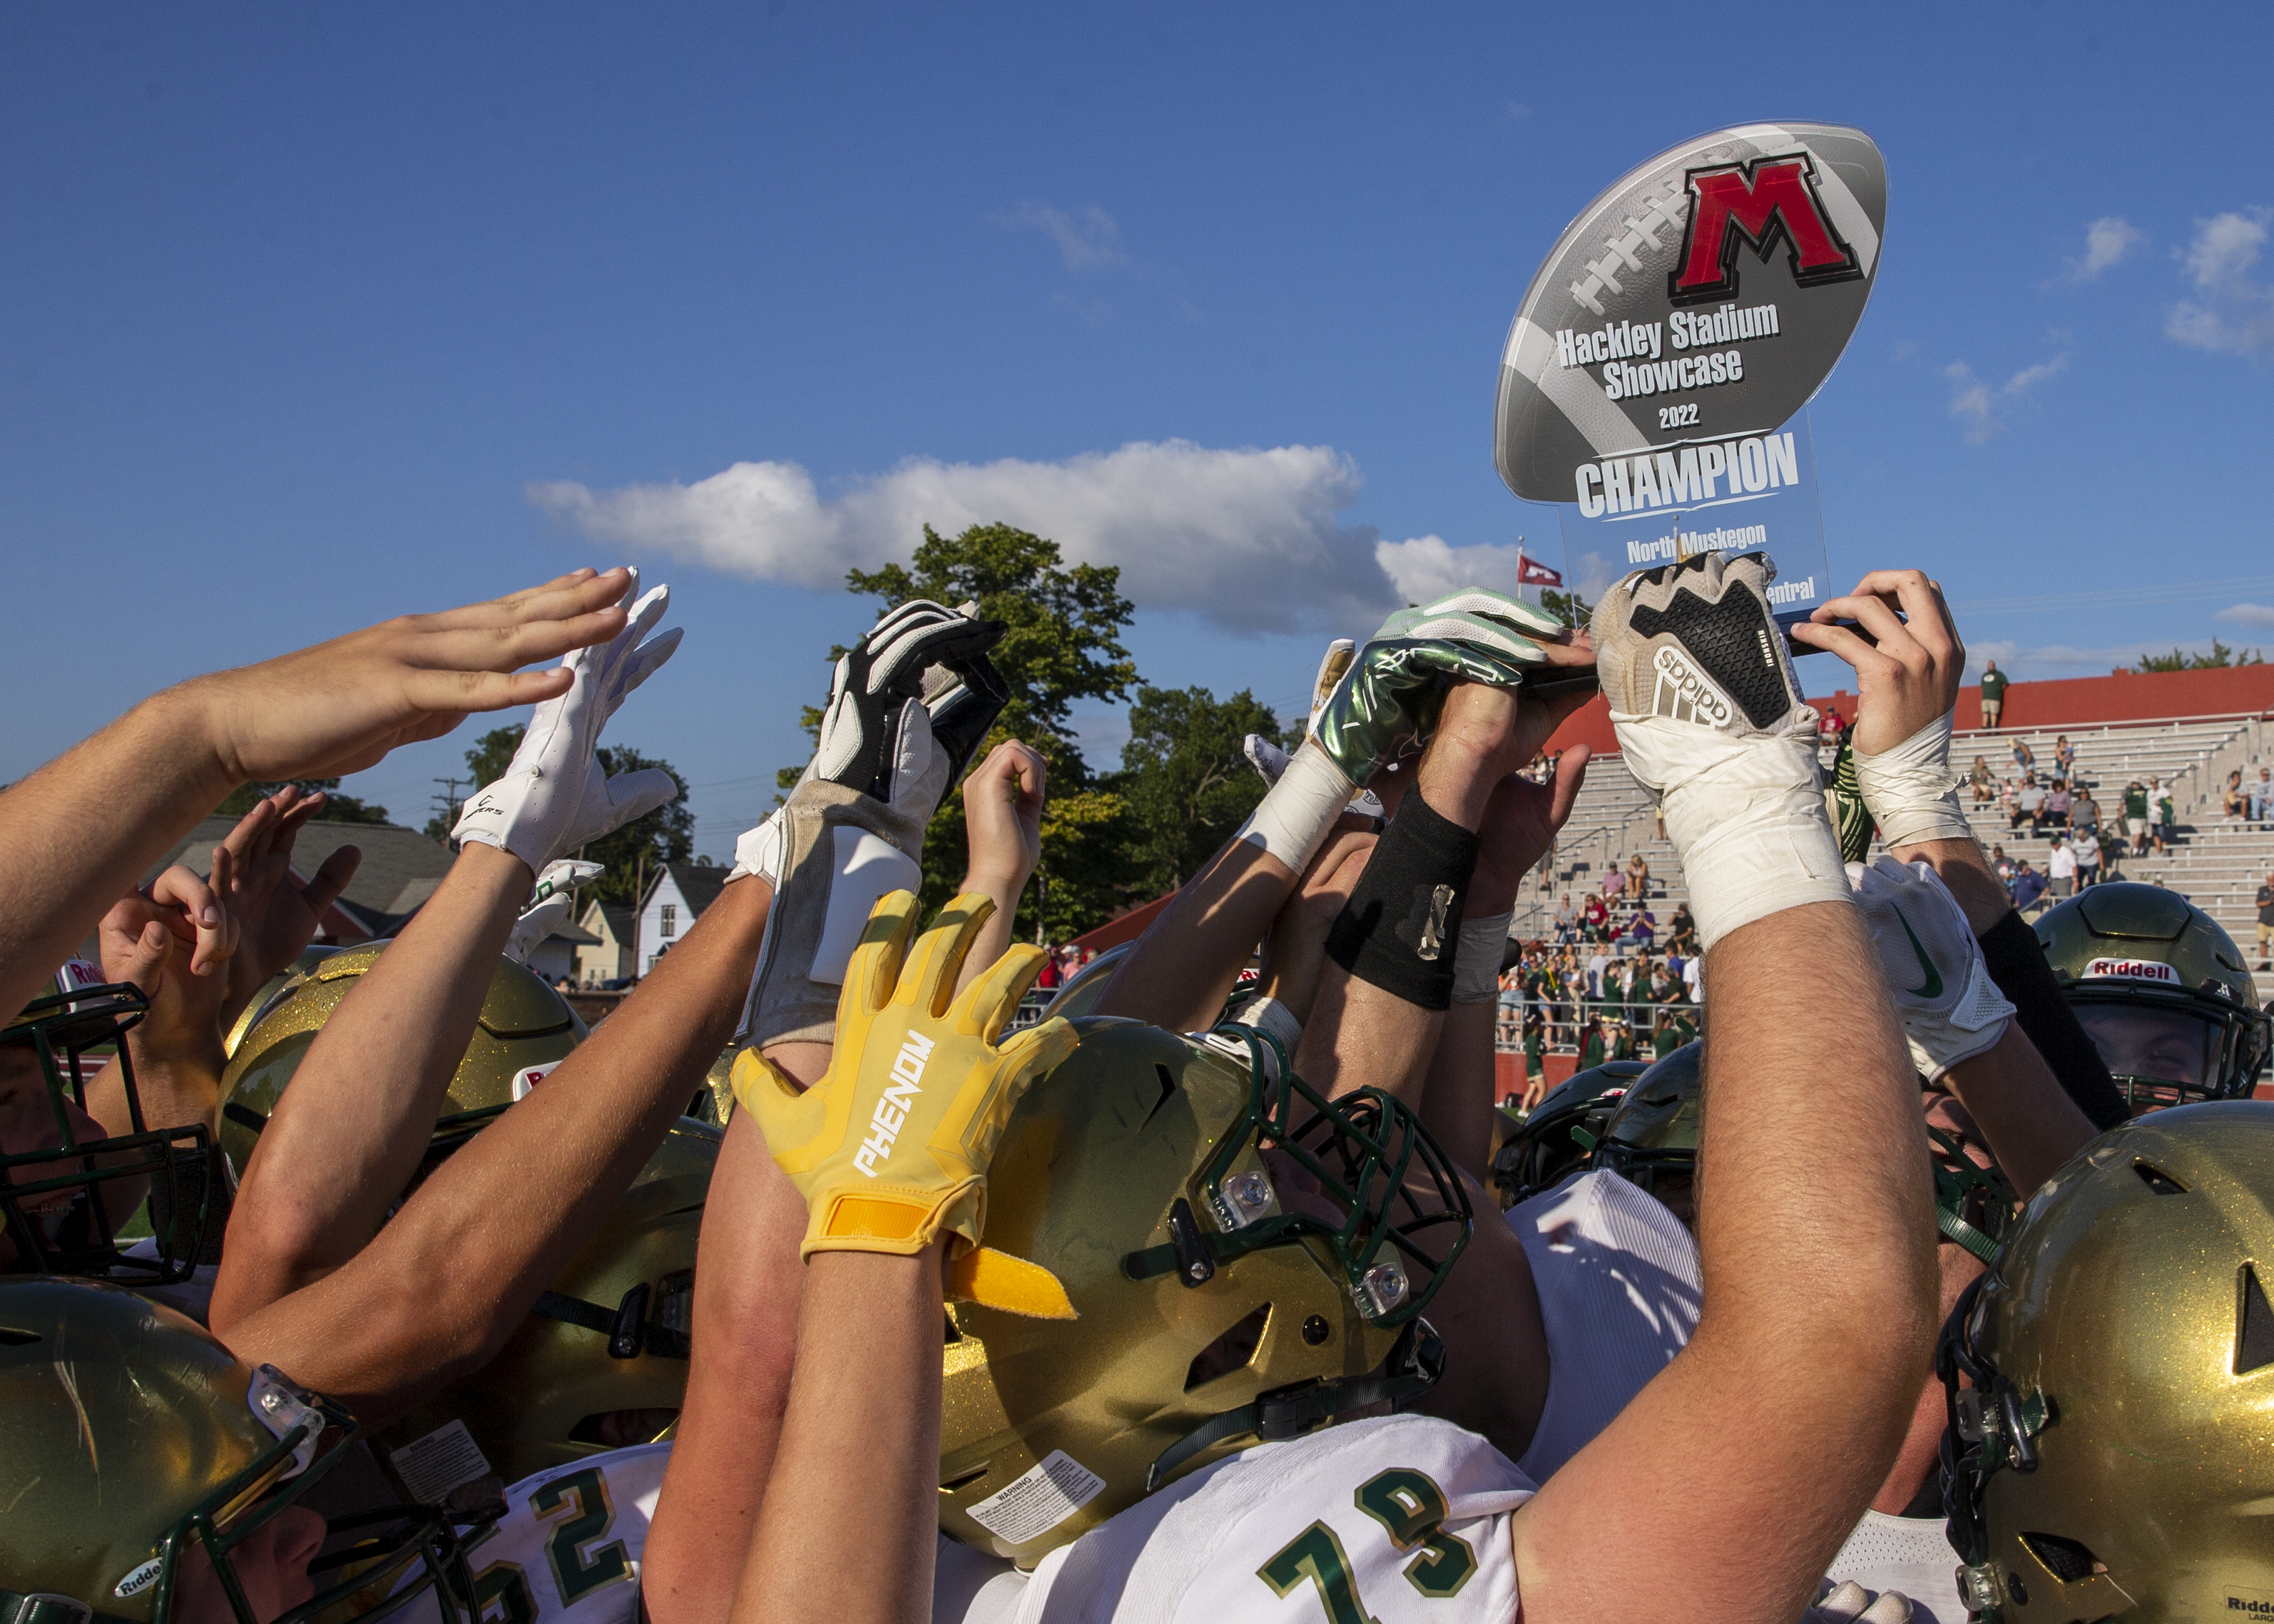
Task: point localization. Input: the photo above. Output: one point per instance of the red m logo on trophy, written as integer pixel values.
(1757, 204)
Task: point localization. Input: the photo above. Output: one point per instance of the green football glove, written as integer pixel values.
(890, 1146)
(1393, 689)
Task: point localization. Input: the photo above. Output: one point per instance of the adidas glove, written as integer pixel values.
(1711, 721)
(906, 710)
(891, 1147)
(556, 796)
(1951, 1009)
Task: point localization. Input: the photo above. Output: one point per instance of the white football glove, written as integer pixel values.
(555, 797)
(1711, 721)
(1910, 791)
(1850, 1603)
(550, 904)
(907, 708)
(1951, 1009)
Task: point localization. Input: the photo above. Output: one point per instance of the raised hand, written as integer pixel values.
(277, 912)
(555, 796)
(342, 705)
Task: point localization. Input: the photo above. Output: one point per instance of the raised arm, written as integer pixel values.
(437, 1291)
(1750, 1456)
(1385, 703)
(82, 828)
(346, 1137)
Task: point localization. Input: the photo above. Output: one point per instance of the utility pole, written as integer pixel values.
(446, 804)
(639, 906)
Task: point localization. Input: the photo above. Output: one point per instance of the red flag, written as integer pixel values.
(1530, 572)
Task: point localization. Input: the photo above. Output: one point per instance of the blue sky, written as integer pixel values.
(317, 314)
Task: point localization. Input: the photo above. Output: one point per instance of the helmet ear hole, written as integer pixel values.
(2157, 1180)
(1232, 1352)
(2254, 1331)
(2069, 1560)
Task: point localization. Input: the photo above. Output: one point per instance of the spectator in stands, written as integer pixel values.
(2064, 757)
(1567, 919)
(2058, 806)
(2029, 804)
(2265, 921)
(1693, 978)
(1597, 917)
(2084, 816)
(1984, 782)
(1994, 695)
(1831, 730)
(2001, 865)
(1638, 877)
(2167, 818)
(2029, 887)
(2235, 800)
(2136, 816)
(2087, 847)
(2112, 853)
(2024, 758)
(1598, 963)
(2261, 798)
(1681, 933)
(1642, 930)
(2061, 869)
(1615, 884)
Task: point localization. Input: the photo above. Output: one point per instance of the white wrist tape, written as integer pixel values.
(759, 851)
(1476, 962)
(1293, 819)
(1747, 820)
(1270, 1015)
(1910, 790)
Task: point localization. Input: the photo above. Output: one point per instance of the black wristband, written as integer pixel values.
(1401, 929)
(2017, 964)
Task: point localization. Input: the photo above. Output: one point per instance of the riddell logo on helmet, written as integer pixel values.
(2133, 970)
(1684, 694)
(893, 1105)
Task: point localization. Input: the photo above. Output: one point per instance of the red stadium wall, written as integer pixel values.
(2076, 702)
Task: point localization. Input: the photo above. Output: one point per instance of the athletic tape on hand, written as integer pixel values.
(1911, 791)
(1747, 819)
(1293, 819)
(1476, 962)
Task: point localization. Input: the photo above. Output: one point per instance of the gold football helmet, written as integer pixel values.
(1245, 1259)
(1651, 1139)
(1557, 1138)
(137, 1439)
(601, 1361)
(1086, 986)
(2113, 1455)
(67, 1185)
(2163, 989)
(524, 1029)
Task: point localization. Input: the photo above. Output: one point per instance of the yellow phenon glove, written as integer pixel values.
(890, 1146)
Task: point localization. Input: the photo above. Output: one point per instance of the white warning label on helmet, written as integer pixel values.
(529, 1076)
(432, 1466)
(2132, 970)
(1039, 1500)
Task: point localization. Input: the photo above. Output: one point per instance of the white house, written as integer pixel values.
(675, 902)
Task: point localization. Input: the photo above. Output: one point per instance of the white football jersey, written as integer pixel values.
(1402, 1519)
(1619, 1295)
(567, 1550)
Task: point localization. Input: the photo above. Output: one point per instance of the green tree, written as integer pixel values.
(1061, 644)
(2219, 659)
(338, 808)
(1186, 778)
(665, 835)
(1568, 607)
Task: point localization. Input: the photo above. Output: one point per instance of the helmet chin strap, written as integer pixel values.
(1413, 1367)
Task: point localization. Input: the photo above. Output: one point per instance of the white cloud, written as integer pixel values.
(1430, 567)
(1089, 238)
(1977, 404)
(1248, 538)
(2257, 615)
(2107, 240)
(2235, 312)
